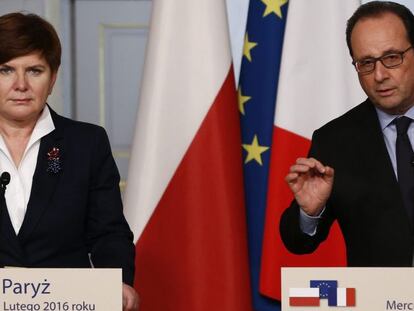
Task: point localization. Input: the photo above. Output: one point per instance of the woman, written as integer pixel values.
(63, 204)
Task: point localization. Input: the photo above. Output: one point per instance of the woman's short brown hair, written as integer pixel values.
(23, 34)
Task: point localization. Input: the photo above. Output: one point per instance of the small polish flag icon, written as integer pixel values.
(304, 297)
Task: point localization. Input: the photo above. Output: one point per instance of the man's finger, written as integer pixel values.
(299, 168)
(291, 178)
(312, 163)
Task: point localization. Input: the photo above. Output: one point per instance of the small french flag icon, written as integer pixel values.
(341, 297)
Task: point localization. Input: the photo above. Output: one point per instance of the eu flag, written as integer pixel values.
(257, 97)
(324, 286)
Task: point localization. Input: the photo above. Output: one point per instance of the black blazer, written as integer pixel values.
(365, 199)
(74, 212)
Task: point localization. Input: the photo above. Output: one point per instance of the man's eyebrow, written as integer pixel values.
(389, 51)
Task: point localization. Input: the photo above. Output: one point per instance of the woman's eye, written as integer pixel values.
(34, 71)
(5, 70)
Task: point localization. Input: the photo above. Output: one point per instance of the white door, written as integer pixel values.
(109, 45)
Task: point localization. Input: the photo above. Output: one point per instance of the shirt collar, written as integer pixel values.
(385, 118)
(44, 126)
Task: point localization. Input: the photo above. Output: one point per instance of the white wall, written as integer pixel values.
(408, 3)
(237, 14)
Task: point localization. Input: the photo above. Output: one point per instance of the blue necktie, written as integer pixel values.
(405, 165)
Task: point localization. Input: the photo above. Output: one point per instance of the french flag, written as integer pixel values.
(314, 87)
(341, 297)
(304, 297)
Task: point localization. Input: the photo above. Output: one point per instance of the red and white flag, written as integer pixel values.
(304, 297)
(316, 84)
(184, 198)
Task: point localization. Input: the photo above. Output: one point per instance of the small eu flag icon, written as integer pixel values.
(324, 286)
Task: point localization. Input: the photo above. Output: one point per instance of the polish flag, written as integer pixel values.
(304, 297)
(317, 83)
(341, 297)
(184, 198)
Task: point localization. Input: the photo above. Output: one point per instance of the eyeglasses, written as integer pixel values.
(391, 60)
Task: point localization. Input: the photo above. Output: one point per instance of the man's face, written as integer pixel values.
(391, 90)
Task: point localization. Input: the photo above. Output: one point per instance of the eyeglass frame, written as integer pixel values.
(376, 59)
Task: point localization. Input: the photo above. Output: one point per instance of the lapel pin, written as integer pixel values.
(54, 164)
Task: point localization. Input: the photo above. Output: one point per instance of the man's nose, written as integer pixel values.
(380, 72)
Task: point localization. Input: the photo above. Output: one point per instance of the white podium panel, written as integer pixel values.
(60, 289)
(353, 289)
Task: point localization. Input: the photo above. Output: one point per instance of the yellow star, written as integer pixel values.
(254, 151)
(242, 100)
(247, 47)
(274, 6)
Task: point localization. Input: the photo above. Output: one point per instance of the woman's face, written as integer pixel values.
(25, 84)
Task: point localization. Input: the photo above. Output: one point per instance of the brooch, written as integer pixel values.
(53, 158)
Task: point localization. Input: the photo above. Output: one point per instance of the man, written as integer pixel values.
(358, 172)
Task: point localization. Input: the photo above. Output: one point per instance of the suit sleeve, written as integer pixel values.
(110, 239)
(292, 236)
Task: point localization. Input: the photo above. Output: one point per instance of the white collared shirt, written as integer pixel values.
(390, 133)
(18, 190)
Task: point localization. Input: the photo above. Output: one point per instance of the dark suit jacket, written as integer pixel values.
(365, 198)
(74, 212)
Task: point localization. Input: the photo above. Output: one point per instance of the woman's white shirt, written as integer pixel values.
(18, 190)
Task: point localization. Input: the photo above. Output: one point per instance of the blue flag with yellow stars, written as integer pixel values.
(257, 97)
(324, 286)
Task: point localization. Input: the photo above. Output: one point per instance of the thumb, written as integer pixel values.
(329, 172)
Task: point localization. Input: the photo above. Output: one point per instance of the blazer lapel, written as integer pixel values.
(375, 150)
(377, 161)
(44, 181)
(8, 235)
